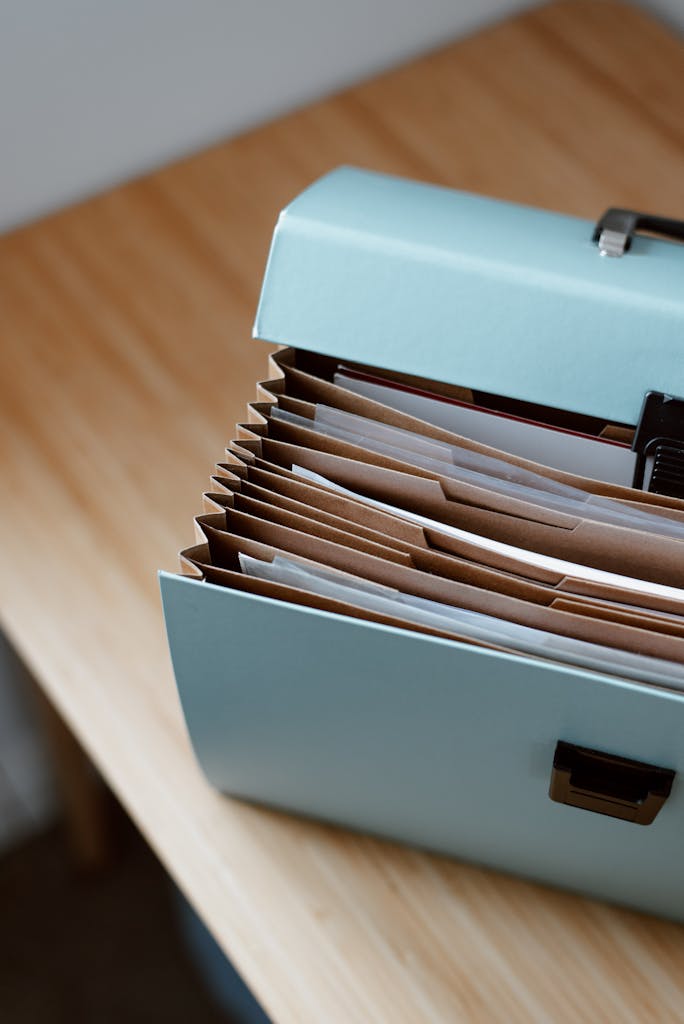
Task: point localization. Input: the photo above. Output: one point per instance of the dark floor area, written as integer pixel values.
(105, 947)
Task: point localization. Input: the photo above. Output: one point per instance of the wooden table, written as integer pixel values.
(127, 357)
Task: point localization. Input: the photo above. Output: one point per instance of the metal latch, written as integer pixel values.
(659, 445)
(614, 231)
(608, 784)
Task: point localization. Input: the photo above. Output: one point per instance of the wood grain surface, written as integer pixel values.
(126, 358)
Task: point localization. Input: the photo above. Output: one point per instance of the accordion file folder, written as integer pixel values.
(524, 763)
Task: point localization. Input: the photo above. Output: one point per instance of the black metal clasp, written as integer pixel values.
(659, 445)
(607, 784)
(614, 231)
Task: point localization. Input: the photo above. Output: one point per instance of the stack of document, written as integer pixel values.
(406, 503)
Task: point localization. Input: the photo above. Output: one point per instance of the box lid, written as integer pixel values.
(474, 291)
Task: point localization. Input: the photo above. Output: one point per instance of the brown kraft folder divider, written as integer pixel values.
(284, 487)
(628, 496)
(399, 529)
(280, 479)
(352, 516)
(296, 383)
(198, 556)
(451, 567)
(221, 530)
(613, 548)
(604, 591)
(467, 493)
(316, 514)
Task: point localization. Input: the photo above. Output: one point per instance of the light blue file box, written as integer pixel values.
(430, 741)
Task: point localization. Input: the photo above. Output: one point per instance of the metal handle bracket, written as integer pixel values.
(615, 230)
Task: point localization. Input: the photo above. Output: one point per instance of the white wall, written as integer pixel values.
(93, 91)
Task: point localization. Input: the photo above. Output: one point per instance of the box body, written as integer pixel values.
(429, 741)
(426, 740)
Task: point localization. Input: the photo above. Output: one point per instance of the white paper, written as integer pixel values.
(572, 453)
